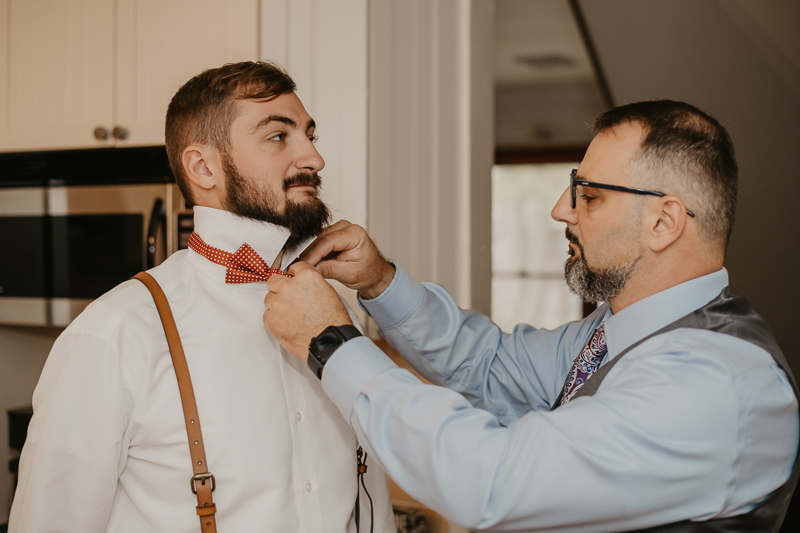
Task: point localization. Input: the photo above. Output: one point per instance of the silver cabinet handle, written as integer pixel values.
(100, 133)
(119, 133)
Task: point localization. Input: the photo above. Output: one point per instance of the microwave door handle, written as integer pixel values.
(157, 218)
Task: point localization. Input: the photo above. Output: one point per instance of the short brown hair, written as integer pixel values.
(685, 152)
(203, 110)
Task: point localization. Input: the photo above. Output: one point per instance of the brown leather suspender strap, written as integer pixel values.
(203, 482)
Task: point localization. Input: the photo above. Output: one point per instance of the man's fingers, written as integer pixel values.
(318, 249)
(333, 269)
(275, 282)
(300, 307)
(341, 224)
(298, 268)
(270, 301)
(323, 243)
(336, 241)
(327, 269)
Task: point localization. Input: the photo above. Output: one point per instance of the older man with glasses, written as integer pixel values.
(670, 408)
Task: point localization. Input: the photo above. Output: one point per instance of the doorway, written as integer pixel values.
(547, 94)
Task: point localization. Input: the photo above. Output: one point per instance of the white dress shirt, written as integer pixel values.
(107, 448)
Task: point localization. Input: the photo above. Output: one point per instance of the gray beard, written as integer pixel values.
(596, 286)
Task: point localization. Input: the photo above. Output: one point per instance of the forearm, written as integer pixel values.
(450, 347)
(622, 454)
(507, 374)
(456, 459)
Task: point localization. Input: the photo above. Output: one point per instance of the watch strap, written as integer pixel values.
(317, 362)
(349, 332)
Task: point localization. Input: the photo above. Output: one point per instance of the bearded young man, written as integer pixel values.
(107, 448)
(670, 408)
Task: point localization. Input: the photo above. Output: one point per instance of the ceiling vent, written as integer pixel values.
(546, 61)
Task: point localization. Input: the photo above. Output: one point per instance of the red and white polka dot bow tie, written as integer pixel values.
(244, 266)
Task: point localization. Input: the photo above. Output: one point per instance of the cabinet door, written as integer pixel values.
(162, 44)
(58, 78)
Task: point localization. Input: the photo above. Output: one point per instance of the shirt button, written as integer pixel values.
(298, 416)
(307, 486)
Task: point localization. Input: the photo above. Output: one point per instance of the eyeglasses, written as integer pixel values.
(575, 181)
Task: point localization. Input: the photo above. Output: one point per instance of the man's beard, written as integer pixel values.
(304, 220)
(594, 285)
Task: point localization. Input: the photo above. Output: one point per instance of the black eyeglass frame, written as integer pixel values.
(575, 181)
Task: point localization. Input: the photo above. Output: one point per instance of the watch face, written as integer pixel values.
(327, 340)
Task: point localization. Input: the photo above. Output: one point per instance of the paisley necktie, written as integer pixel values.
(585, 364)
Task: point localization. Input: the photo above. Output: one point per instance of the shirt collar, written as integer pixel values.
(654, 312)
(227, 231)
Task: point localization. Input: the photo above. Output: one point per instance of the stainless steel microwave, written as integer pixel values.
(74, 237)
(65, 246)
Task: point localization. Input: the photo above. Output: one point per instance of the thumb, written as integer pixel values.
(332, 269)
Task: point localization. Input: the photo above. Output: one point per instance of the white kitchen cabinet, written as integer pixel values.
(71, 67)
(163, 43)
(58, 84)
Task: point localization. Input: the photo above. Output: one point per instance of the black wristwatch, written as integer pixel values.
(323, 345)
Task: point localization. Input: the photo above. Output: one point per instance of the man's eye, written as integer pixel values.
(313, 138)
(587, 198)
(278, 137)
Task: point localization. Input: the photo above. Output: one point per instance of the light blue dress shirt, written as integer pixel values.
(690, 424)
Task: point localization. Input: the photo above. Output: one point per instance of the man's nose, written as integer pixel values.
(562, 211)
(309, 158)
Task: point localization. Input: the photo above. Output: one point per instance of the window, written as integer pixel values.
(529, 247)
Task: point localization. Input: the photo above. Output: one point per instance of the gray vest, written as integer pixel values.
(730, 315)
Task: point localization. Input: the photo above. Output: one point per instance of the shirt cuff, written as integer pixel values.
(397, 303)
(352, 365)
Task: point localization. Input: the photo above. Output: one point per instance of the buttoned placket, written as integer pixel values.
(305, 479)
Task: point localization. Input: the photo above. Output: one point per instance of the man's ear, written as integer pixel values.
(202, 165)
(667, 223)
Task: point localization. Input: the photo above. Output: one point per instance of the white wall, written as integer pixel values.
(431, 141)
(402, 93)
(323, 45)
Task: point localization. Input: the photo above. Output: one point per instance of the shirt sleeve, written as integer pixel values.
(655, 445)
(75, 449)
(507, 374)
(661, 441)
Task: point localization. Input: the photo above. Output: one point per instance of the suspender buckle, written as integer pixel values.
(202, 478)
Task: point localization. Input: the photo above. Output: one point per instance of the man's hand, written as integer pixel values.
(345, 252)
(301, 307)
